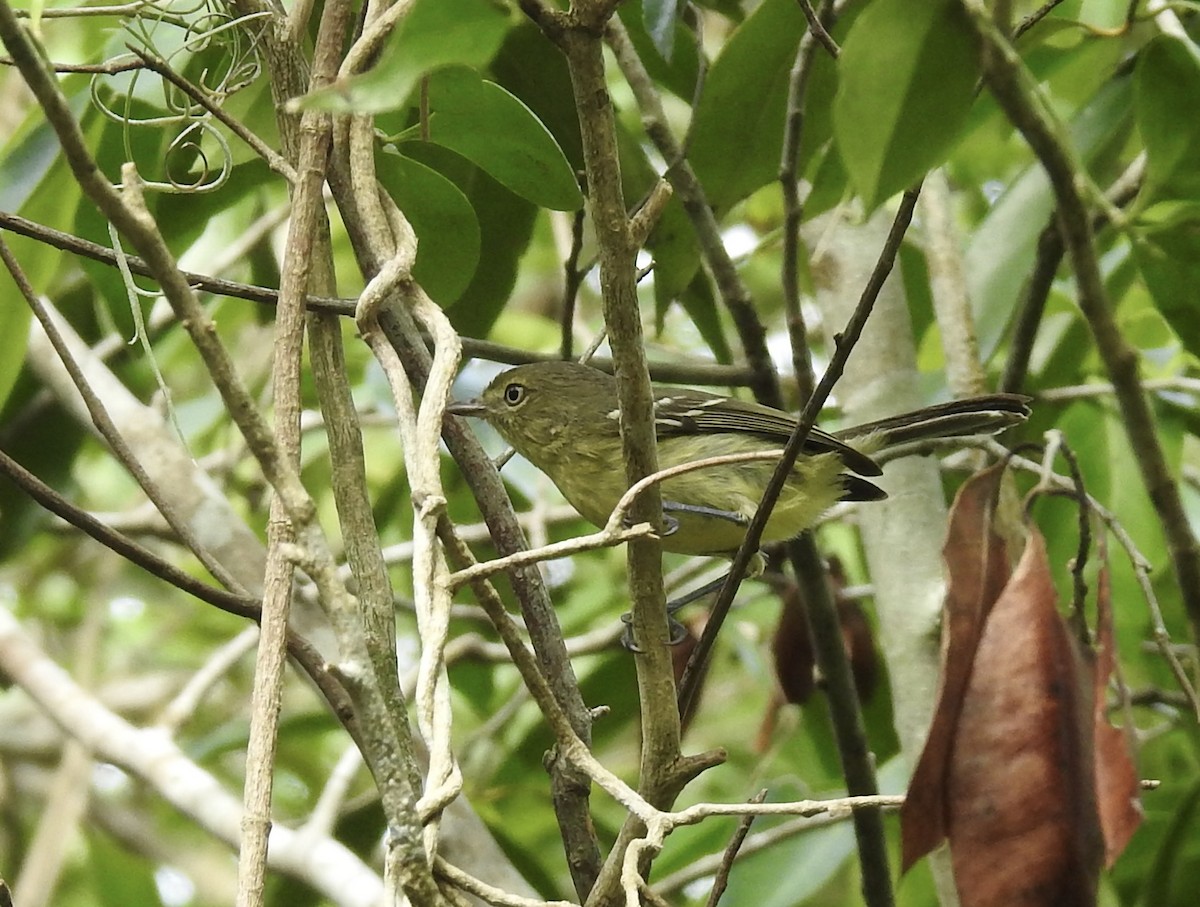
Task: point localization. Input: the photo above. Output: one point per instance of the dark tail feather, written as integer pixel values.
(856, 488)
(985, 415)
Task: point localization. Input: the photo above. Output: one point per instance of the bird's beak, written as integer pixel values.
(467, 408)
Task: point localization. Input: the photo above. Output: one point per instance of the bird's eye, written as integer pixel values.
(514, 394)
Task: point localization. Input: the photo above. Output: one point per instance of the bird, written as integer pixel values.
(564, 417)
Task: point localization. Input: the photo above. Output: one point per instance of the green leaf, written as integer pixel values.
(677, 70)
(505, 228)
(908, 74)
(1167, 252)
(735, 142)
(534, 70)
(435, 33)
(659, 18)
(1166, 85)
(499, 134)
(700, 304)
(676, 255)
(829, 183)
(447, 230)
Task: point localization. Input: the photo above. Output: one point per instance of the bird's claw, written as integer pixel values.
(678, 633)
(670, 525)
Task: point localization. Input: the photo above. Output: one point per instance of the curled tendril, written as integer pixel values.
(189, 147)
(216, 52)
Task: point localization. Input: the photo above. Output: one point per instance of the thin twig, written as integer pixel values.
(856, 760)
(793, 208)
(615, 531)
(845, 344)
(817, 28)
(572, 281)
(111, 68)
(721, 878)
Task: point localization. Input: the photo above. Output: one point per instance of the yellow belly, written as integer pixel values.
(813, 488)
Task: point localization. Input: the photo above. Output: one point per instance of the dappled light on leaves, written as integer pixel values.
(1020, 743)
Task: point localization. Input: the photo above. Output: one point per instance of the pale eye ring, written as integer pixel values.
(514, 394)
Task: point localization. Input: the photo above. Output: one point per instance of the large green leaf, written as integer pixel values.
(445, 224)
(529, 66)
(505, 227)
(738, 124)
(435, 33)
(908, 74)
(676, 255)
(1166, 86)
(499, 134)
(1167, 251)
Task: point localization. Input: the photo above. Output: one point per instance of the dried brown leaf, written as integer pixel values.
(978, 565)
(1022, 820)
(860, 646)
(1117, 784)
(792, 648)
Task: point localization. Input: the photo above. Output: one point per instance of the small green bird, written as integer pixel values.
(565, 419)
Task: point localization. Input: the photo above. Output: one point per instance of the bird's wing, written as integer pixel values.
(693, 412)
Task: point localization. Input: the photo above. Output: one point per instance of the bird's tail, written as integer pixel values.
(984, 415)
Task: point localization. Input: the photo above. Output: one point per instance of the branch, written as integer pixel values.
(793, 209)
(1022, 102)
(321, 862)
(732, 289)
(699, 373)
(569, 786)
(856, 757)
(306, 229)
(127, 212)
